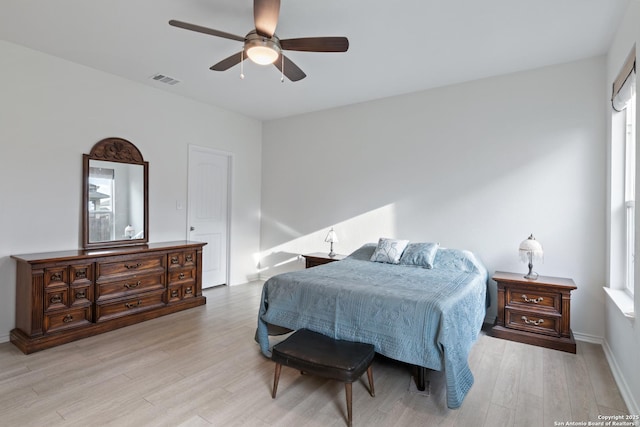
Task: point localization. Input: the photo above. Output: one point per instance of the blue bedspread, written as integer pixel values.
(425, 317)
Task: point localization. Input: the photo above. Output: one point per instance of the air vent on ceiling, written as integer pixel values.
(165, 79)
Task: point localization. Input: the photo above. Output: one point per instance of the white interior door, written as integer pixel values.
(208, 210)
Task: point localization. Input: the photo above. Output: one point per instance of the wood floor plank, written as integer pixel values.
(604, 386)
(202, 367)
(556, 398)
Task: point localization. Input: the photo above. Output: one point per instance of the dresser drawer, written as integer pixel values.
(66, 319)
(533, 299)
(182, 259)
(56, 276)
(129, 286)
(131, 266)
(177, 293)
(81, 274)
(183, 275)
(80, 295)
(127, 306)
(538, 322)
(56, 298)
(64, 275)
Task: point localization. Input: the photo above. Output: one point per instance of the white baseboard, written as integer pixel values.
(253, 277)
(625, 391)
(4, 338)
(588, 338)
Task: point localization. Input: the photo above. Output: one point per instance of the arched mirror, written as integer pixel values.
(115, 195)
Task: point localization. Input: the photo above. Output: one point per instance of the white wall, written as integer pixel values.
(622, 335)
(478, 166)
(53, 111)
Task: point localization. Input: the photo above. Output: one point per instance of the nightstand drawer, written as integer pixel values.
(533, 299)
(532, 321)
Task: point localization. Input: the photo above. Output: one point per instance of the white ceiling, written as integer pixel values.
(395, 46)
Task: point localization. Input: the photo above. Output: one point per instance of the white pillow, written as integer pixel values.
(389, 250)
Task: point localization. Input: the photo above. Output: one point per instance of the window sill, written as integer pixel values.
(623, 301)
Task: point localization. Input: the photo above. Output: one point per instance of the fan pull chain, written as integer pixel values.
(242, 64)
(282, 69)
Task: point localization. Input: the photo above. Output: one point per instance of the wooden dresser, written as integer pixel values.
(68, 295)
(535, 312)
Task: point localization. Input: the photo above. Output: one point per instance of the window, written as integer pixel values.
(630, 191)
(623, 100)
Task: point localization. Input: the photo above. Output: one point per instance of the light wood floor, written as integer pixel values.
(202, 367)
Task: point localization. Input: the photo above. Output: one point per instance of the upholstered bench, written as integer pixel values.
(317, 354)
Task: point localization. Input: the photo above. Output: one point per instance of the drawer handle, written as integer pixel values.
(181, 276)
(132, 285)
(81, 294)
(132, 266)
(56, 277)
(174, 260)
(174, 293)
(532, 322)
(188, 291)
(133, 305)
(68, 318)
(189, 258)
(532, 300)
(81, 274)
(55, 299)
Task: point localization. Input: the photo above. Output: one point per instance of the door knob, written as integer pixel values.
(192, 228)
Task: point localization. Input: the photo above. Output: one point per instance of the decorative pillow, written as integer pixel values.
(389, 250)
(419, 254)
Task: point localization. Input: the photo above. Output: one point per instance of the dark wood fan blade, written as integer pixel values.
(265, 16)
(205, 30)
(229, 62)
(316, 44)
(291, 70)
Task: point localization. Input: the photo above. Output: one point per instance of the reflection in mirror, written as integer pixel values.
(115, 195)
(116, 201)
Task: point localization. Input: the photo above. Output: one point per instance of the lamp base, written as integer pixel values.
(531, 275)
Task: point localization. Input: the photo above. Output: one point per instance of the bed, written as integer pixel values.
(428, 317)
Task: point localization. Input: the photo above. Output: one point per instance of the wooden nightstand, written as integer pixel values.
(319, 258)
(535, 311)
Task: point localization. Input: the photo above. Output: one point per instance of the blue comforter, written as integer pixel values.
(425, 317)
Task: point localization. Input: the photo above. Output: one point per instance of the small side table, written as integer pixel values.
(319, 258)
(536, 312)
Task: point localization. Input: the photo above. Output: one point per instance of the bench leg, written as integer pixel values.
(372, 390)
(420, 378)
(276, 378)
(348, 390)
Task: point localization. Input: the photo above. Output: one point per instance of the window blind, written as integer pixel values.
(624, 85)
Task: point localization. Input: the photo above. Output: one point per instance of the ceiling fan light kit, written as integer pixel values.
(263, 47)
(262, 50)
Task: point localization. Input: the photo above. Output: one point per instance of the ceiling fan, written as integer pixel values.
(262, 45)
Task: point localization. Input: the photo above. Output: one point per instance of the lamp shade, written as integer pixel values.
(530, 249)
(332, 237)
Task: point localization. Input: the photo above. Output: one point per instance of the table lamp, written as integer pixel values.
(530, 249)
(332, 238)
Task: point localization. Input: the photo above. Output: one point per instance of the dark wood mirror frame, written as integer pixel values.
(116, 150)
